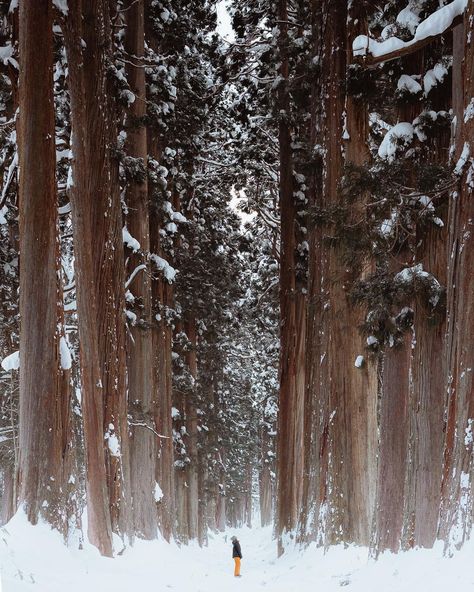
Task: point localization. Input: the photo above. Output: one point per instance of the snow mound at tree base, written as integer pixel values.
(34, 559)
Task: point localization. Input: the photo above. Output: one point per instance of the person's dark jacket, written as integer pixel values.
(236, 552)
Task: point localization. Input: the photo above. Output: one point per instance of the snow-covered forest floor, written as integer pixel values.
(34, 559)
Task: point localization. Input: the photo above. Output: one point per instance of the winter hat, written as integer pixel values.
(233, 539)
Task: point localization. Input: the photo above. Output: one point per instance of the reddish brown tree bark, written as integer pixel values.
(44, 403)
(316, 417)
(457, 490)
(99, 271)
(393, 447)
(162, 371)
(265, 478)
(353, 389)
(192, 489)
(140, 341)
(290, 416)
(427, 396)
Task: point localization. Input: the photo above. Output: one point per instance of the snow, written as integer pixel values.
(70, 306)
(409, 19)
(401, 133)
(235, 205)
(466, 152)
(6, 55)
(178, 217)
(65, 354)
(408, 84)
(63, 210)
(131, 316)
(158, 493)
(168, 271)
(112, 441)
(11, 362)
(134, 273)
(469, 111)
(11, 170)
(3, 213)
(162, 567)
(388, 225)
(468, 437)
(435, 24)
(434, 76)
(409, 274)
(128, 239)
(62, 6)
(171, 228)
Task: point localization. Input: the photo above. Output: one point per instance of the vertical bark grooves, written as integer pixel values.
(360, 387)
(427, 405)
(290, 417)
(99, 271)
(316, 421)
(43, 409)
(140, 342)
(162, 386)
(457, 498)
(192, 489)
(393, 447)
(264, 478)
(351, 426)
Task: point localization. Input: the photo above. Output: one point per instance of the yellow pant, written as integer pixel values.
(237, 566)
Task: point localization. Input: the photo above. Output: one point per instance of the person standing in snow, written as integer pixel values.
(236, 555)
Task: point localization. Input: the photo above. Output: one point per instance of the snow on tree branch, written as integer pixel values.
(434, 25)
(168, 271)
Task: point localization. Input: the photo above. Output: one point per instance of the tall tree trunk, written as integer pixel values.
(265, 479)
(395, 467)
(43, 404)
(457, 492)
(221, 500)
(203, 513)
(140, 342)
(316, 405)
(338, 426)
(353, 389)
(247, 517)
(8, 502)
(427, 404)
(99, 271)
(347, 394)
(393, 428)
(162, 375)
(192, 489)
(289, 470)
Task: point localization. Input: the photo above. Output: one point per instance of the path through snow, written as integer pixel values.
(33, 559)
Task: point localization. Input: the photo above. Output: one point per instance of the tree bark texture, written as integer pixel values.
(393, 447)
(140, 340)
(97, 223)
(290, 468)
(265, 477)
(192, 489)
(44, 403)
(457, 491)
(162, 296)
(316, 409)
(427, 393)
